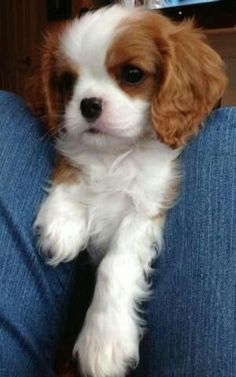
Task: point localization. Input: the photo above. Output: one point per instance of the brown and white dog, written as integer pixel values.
(123, 91)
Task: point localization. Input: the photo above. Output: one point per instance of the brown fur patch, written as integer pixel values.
(51, 84)
(64, 172)
(134, 46)
(185, 78)
(193, 81)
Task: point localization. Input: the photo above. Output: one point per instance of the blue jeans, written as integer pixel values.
(192, 314)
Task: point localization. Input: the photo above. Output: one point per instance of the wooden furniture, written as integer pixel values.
(224, 41)
(21, 24)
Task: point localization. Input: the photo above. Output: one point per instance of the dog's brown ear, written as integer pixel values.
(45, 91)
(193, 81)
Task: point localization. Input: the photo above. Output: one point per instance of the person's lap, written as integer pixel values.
(192, 316)
(33, 295)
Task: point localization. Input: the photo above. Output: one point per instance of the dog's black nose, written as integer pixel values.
(91, 108)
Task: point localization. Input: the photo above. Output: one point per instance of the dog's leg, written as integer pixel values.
(109, 342)
(61, 222)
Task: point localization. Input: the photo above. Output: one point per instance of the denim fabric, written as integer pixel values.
(192, 315)
(32, 295)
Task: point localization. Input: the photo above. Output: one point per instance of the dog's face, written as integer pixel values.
(117, 75)
(110, 99)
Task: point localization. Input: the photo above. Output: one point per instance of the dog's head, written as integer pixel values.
(123, 74)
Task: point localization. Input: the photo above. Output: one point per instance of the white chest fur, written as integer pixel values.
(115, 185)
(113, 211)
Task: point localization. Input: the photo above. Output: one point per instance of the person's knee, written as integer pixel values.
(220, 120)
(9, 100)
(216, 138)
(15, 118)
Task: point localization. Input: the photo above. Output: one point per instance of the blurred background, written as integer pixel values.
(23, 22)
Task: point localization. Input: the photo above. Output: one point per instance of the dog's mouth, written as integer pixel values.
(93, 131)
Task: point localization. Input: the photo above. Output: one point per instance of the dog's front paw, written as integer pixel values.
(108, 345)
(61, 231)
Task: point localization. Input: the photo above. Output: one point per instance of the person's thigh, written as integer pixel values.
(33, 296)
(191, 317)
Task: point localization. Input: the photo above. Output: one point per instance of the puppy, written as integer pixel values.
(123, 90)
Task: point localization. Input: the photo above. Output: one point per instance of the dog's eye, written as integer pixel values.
(67, 81)
(131, 75)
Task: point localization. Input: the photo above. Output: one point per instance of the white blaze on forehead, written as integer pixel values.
(86, 40)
